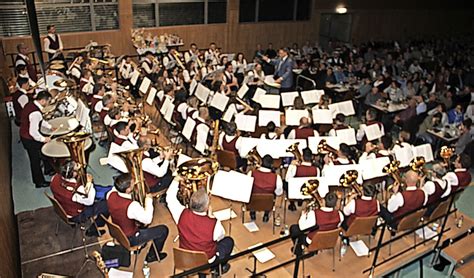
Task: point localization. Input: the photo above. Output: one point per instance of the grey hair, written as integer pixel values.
(199, 201)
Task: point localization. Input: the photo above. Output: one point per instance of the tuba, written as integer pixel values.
(393, 169)
(310, 188)
(324, 148)
(446, 153)
(75, 143)
(417, 164)
(195, 174)
(293, 148)
(254, 157)
(133, 162)
(349, 180)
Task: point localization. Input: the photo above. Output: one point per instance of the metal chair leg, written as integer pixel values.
(135, 263)
(390, 246)
(273, 223)
(334, 259)
(156, 251)
(57, 228)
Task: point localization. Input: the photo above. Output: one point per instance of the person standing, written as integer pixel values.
(283, 69)
(53, 44)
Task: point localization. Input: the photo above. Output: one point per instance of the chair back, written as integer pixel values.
(187, 259)
(361, 226)
(227, 159)
(324, 240)
(59, 210)
(440, 210)
(117, 233)
(261, 202)
(411, 221)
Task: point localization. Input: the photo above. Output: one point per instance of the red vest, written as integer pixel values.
(118, 207)
(16, 105)
(363, 208)
(412, 200)
(94, 101)
(196, 233)
(119, 141)
(306, 171)
(464, 179)
(436, 196)
(230, 146)
(304, 133)
(326, 221)
(29, 108)
(264, 182)
(150, 179)
(64, 196)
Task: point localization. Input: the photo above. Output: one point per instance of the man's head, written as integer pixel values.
(267, 161)
(51, 29)
(304, 122)
(21, 69)
(193, 47)
(282, 52)
(411, 178)
(43, 98)
(23, 83)
(463, 161)
(330, 200)
(340, 119)
(229, 67)
(199, 201)
(439, 170)
(122, 183)
(122, 128)
(230, 129)
(371, 114)
(108, 101)
(203, 113)
(307, 155)
(385, 142)
(22, 48)
(368, 190)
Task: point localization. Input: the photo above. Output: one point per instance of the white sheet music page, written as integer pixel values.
(288, 98)
(248, 143)
(403, 154)
(134, 78)
(334, 172)
(232, 185)
(229, 113)
(266, 116)
(219, 101)
(372, 168)
(312, 96)
(262, 255)
(322, 116)
(270, 101)
(344, 107)
(347, 135)
(192, 86)
(372, 132)
(151, 96)
(293, 117)
(245, 122)
(145, 85)
(202, 93)
(242, 91)
(258, 94)
(424, 151)
(188, 128)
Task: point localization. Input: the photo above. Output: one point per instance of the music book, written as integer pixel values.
(202, 93)
(242, 91)
(167, 109)
(229, 113)
(334, 172)
(192, 86)
(151, 96)
(269, 79)
(312, 96)
(160, 95)
(270, 101)
(347, 135)
(219, 101)
(262, 255)
(404, 155)
(344, 107)
(372, 168)
(293, 117)
(251, 227)
(423, 150)
(332, 141)
(288, 99)
(145, 85)
(134, 78)
(225, 214)
(258, 94)
(232, 186)
(266, 116)
(188, 128)
(248, 143)
(372, 131)
(245, 122)
(359, 247)
(322, 116)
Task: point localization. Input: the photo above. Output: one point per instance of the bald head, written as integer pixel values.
(304, 121)
(411, 178)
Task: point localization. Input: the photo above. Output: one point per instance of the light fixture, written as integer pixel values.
(341, 10)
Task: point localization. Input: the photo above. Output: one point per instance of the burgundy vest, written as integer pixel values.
(64, 196)
(196, 233)
(94, 101)
(412, 200)
(119, 141)
(436, 196)
(53, 44)
(464, 179)
(29, 108)
(306, 171)
(118, 207)
(102, 114)
(16, 105)
(339, 127)
(230, 146)
(150, 179)
(363, 208)
(304, 133)
(263, 182)
(326, 221)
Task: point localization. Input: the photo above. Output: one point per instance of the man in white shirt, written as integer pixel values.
(53, 44)
(155, 166)
(22, 59)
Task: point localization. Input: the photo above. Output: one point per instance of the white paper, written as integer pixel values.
(188, 128)
(229, 113)
(145, 85)
(295, 184)
(288, 99)
(347, 135)
(372, 168)
(266, 116)
(359, 247)
(182, 158)
(262, 255)
(332, 141)
(201, 143)
(269, 79)
(251, 227)
(247, 144)
(270, 101)
(404, 155)
(245, 122)
(334, 172)
(219, 101)
(372, 131)
(428, 234)
(233, 186)
(202, 93)
(167, 109)
(192, 86)
(116, 273)
(151, 96)
(242, 91)
(160, 95)
(424, 151)
(293, 117)
(277, 148)
(134, 77)
(258, 94)
(312, 96)
(344, 107)
(322, 116)
(225, 214)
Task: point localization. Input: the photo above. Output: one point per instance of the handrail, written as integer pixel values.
(306, 78)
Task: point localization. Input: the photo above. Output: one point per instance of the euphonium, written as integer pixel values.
(75, 143)
(133, 162)
(254, 158)
(446, 153)
(349, 180)
(195, 174)
(293, 148)
(393, 169)
(324, 148)
(310, 188)
(417, 164)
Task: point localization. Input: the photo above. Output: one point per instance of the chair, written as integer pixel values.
(187, 259)
(119, 236)
(324, 240)
(440, 210)
(408, 222)
(361, 226)
(261, 202)
(227, 159)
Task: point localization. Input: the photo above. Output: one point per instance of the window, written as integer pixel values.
(274, 10)
(144, 15)
(181, 13)
(217, 11)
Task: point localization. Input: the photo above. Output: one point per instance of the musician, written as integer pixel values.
(173, 55)
(75, 70)
(283, 69)
(123, 137)
(20, 98)
(126, 70)
(325, 218)
(303, 131)
(229, 79)
(128, 214)
(202, 127)
(305, 169)
(381, 148)
(265, 181)
(33, 141)
(212, 54)
(191, 53)
(108, 102)
(461, 177)
(114, 116)
(339, 123)
(189, 108)
(23, 73)
(364, 206)
(370, 119)
(149, 66)
(344, 156)
(96, 102)
(190, 73)
(271, 132)
(239, 64)
(197, 231)
(23, 59)
(436, 187)
(230, 141)
(86, 85)
(78, 204)
(256, 76)
(53, 44)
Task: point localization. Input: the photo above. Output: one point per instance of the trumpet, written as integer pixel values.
(324, 148)
(310, 188)
(244, 104)
(293, 148)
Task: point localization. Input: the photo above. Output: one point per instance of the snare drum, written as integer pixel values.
(50, 79)
(62, 125)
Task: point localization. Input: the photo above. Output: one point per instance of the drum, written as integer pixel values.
(62, 125)
(52, 77)
(57, 149)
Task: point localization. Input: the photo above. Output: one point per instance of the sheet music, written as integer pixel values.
(201, 143)
(262, 255)
(344, 107)
(202, 93)
(114, 160)
(188, 128)
(359, 247)
(266, 116)
(423, 150)
(332, 141)
(145, 85)
(192, 86)
(334, 172)
(347, 135)
(150, 98)
(248, 143)
(251, 227)
(229, 113)
(270, 101)
(322, 116)
(293, 117)
(242, 91)
(134, 78)
(404, 155)
(82, 115)
(225, 214)
(167, 109)
(233, 186)
(312, 96)
(160, 95)
(245, 122)
(277, 148)
(372, 168)
(219, 101)
(269, 79)
(288, 99)
(372, 131)
(258, 94)
(116, 273)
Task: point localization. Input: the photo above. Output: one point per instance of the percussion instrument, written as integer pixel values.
(63, 83)
(57, 149)
(61, 126)
(56, 66)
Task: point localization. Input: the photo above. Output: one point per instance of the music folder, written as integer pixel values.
(372, 131)
(188, 128)
(248, 143)
(347, 135)
(202, 93)
(403, 154)
(229, 113)
(293, 117)
(258, 94)
(424, 151)
(245, 122)
(232, 186)
(372, 168)
(312, 96)
(151, 96)
(266, 116)
(167, 109)
(219, 101)
(344, 107)
(322, 116)
(192, 86)
(134, 78)
(270, 101)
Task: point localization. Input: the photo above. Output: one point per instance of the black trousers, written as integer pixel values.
(388, 217)
(158, 234)
(298, 237)
(33, 148)
(164, 182)
(224, 248)
(96, 209)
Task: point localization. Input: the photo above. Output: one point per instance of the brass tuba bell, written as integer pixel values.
(254, 158)
(324, 148)
(293, 148)
(349, 180)
(75, 143)
(195, 173)
(133, 162)
(446, 153)
(310, 188)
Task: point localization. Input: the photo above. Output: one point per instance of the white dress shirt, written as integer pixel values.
(46, 43)
(308, 220)
(36, 118)
(23, 99)
(151, 166)
(429, 187)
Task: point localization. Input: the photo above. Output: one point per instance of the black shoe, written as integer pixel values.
(253, 215)
(225, 268)
(292, 207)
(93, 232)
(42, 185)
(300, 203)
(265, 218)
(151, 257)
